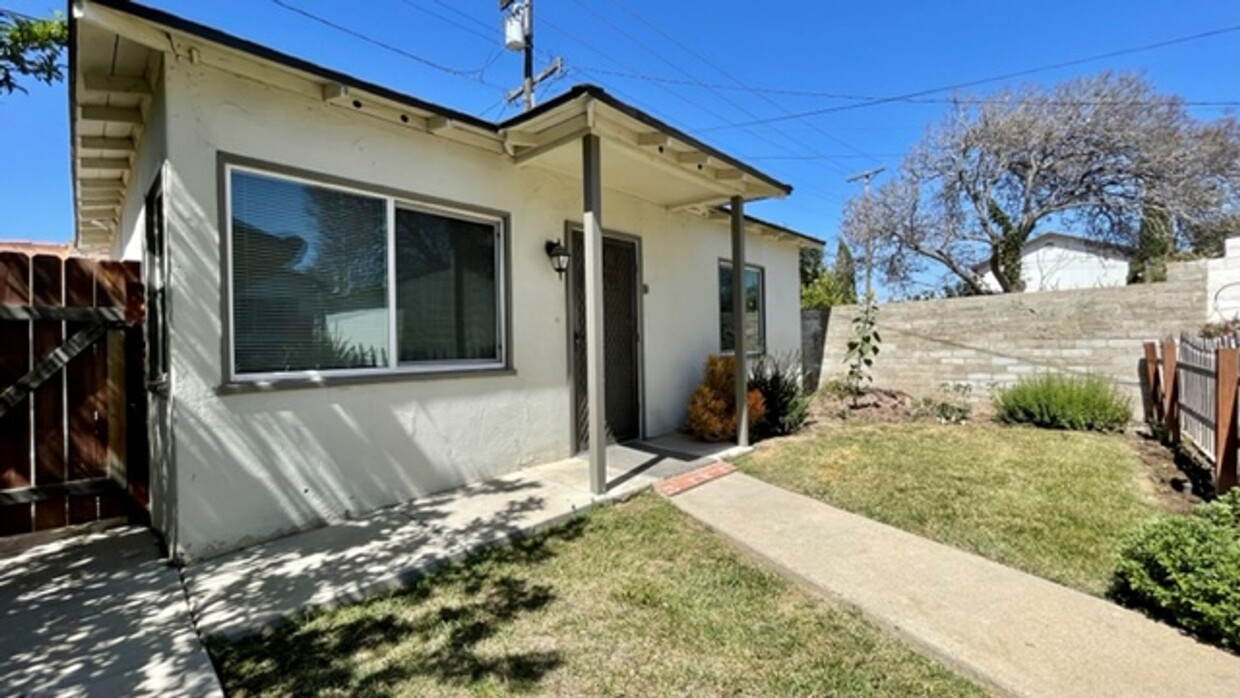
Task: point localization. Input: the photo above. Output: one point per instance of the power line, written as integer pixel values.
(588, 72)
(739, 107)
(797, 145)
(447, 20)
(727, 74)
(983, 81)
(382, 44)
(470, 74)
(866, 98)
(467, 17)
(868, 156)
(740, 86)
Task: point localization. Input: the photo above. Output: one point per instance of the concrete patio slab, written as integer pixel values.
(686, 447)
(101, 615)
(243, 592)
(1015, 632)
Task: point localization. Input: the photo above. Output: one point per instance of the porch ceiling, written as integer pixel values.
(640, 156)
(110, 98)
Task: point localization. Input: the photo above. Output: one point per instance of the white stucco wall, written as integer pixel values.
(1060, 264)
(149, 158)
(252, 466)
(1223, 284)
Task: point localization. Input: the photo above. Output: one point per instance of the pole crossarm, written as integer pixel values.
(525, 11)
(866, 177)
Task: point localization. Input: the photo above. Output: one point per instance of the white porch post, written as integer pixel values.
(738, 320)
(592, 222)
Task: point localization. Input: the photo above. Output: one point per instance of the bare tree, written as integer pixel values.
(1089, 154)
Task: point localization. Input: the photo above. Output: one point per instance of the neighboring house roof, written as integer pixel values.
(1105, 249)
(527, 135)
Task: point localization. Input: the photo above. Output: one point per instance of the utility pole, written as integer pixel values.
(519, 36)
(869, 240)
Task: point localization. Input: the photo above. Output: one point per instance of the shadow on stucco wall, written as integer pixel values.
(254, 466)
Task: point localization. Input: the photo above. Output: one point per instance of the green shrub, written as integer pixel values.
(779, 381)
(1186, 571)
(1056, 401)
(826, 291)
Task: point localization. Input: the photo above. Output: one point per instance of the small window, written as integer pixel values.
(310, 286)
(755, 309)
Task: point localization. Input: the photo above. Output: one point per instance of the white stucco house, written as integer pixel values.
(351, 300)
(1058, 262)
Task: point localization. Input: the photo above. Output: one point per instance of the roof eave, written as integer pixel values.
(777, 188)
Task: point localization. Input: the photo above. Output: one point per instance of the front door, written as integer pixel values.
(621, 337)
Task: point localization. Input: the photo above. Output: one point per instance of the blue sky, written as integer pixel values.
(634, 47)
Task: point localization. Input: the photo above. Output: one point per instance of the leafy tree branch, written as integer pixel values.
(30, 48)
(1092, 154)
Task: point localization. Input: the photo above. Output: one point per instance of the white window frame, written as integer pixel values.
(394, 366)
(753, 351)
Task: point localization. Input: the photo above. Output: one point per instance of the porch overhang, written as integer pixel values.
(111, 82)
(641, 156)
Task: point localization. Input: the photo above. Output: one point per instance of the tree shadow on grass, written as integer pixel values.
(433, 629)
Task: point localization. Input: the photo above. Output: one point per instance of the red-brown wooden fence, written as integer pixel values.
(72, 395)
(1193, 385)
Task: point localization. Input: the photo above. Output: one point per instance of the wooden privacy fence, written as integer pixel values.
(72, 394)
(1192, 386)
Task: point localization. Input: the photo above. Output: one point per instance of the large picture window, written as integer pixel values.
(755, 309)
(335, 281)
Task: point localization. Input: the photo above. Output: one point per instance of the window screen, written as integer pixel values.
(310, 287)
(446, 290)
(309, 276)
(755, 309)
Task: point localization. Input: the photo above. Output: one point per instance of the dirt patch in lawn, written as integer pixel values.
(876, 406)
(832, 407)
(1171, 479)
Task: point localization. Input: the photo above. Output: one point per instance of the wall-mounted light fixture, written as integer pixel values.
(558, 254)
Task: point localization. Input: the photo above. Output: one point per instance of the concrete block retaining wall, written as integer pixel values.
(989, 341)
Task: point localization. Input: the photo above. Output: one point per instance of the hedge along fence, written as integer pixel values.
(1192, 387)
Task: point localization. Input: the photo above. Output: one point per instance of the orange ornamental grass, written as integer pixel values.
(711, 415)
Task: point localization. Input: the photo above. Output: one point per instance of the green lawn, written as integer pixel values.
(635, 599)
(1052, 503)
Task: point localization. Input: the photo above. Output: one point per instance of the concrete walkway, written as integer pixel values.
(240, 593)
(104, 615)
(1014, 632)
(98, 615)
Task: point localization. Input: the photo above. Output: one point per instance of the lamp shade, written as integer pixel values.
(558, 254)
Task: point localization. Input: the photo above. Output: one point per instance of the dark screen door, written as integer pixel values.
(621, 338)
